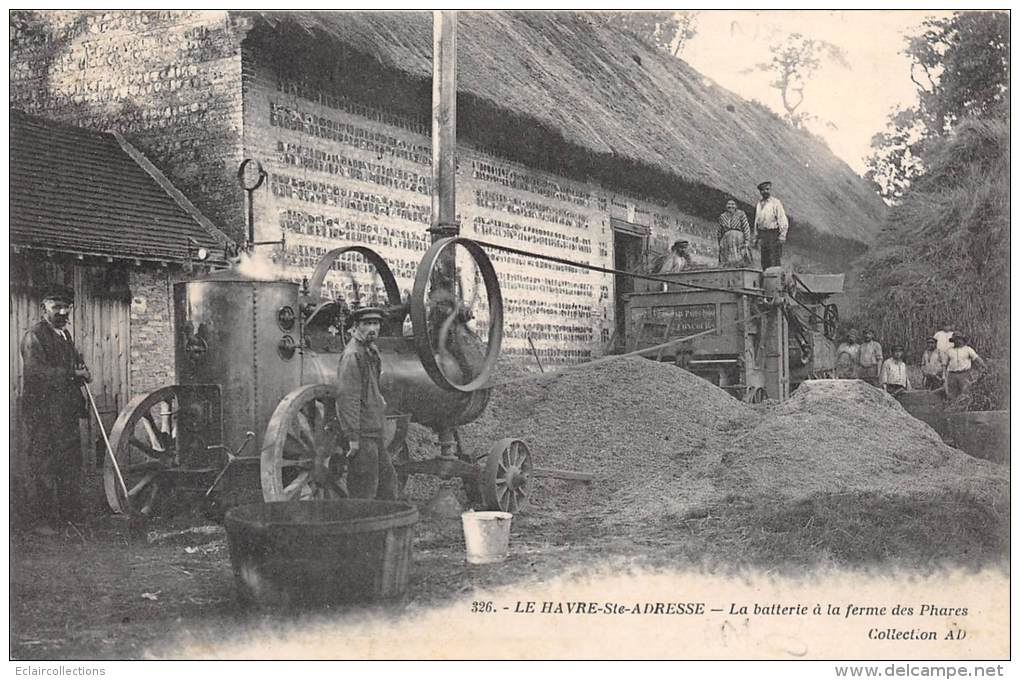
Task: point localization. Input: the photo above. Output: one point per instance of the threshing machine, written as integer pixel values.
(755, 334)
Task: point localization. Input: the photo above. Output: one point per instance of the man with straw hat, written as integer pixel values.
(52, 404)
(361, 410)
(959, 359)
(770, 227)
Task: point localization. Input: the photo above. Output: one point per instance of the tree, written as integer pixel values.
(668, 30)
(794, 61)
(960, 68)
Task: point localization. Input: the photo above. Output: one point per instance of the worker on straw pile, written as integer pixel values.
(678, 259)
(933, 365)
(848, 356)
(52, 405)
(770, 227)
(893, 376)
(943, 339)
(734, 237)
(959, 359)
(870, 358)
(361, 410)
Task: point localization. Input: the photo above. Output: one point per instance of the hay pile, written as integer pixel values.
(841, 460)
(642, 428)
(837, 436)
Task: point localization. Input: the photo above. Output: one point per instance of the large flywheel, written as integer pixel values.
(457, 314)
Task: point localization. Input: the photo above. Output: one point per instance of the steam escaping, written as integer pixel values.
(260, 267)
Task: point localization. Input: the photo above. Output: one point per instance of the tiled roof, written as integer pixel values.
(92, 193)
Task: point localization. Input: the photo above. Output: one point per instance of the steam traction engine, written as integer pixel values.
(255, 401)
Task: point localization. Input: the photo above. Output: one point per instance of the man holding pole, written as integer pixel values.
(52, 404)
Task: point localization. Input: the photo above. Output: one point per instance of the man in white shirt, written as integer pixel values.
(770, 227)
(943, 338)
(958, 366)
(894, 373)
(933, 365)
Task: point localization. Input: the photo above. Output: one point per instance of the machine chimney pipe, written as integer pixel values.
(444, 125)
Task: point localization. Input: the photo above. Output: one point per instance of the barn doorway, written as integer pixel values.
(628, 255)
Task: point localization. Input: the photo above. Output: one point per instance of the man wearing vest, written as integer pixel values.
(52, 404)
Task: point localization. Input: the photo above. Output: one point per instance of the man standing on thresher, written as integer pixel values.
(52, 403)
(770, 227)
(362, 410)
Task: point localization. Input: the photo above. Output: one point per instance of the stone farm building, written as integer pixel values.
(575, 140)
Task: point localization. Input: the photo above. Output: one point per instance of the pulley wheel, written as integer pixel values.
(505, 480)
(389, 282)
(438, 305)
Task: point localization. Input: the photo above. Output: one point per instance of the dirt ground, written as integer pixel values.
(96, 593)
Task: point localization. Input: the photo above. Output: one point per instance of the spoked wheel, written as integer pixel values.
(302, 454)
(144, 442)
(504, 482)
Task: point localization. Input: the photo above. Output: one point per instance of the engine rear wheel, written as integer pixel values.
(144, 442)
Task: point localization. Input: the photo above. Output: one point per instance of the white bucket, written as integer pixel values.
(486, 536)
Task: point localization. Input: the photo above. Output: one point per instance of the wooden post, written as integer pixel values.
(444, 125)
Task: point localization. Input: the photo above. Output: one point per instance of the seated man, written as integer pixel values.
(678, 259)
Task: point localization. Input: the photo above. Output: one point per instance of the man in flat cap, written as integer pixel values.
(362, 410)
(677, 259)
(770, 227)
(52, 404)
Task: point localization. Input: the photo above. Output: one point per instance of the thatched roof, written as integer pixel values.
(619, 99)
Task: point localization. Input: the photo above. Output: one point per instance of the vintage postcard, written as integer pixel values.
(588, 334)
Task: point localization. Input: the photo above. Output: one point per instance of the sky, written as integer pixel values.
(858, 101)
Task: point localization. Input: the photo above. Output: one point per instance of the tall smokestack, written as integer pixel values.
(444, 125)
